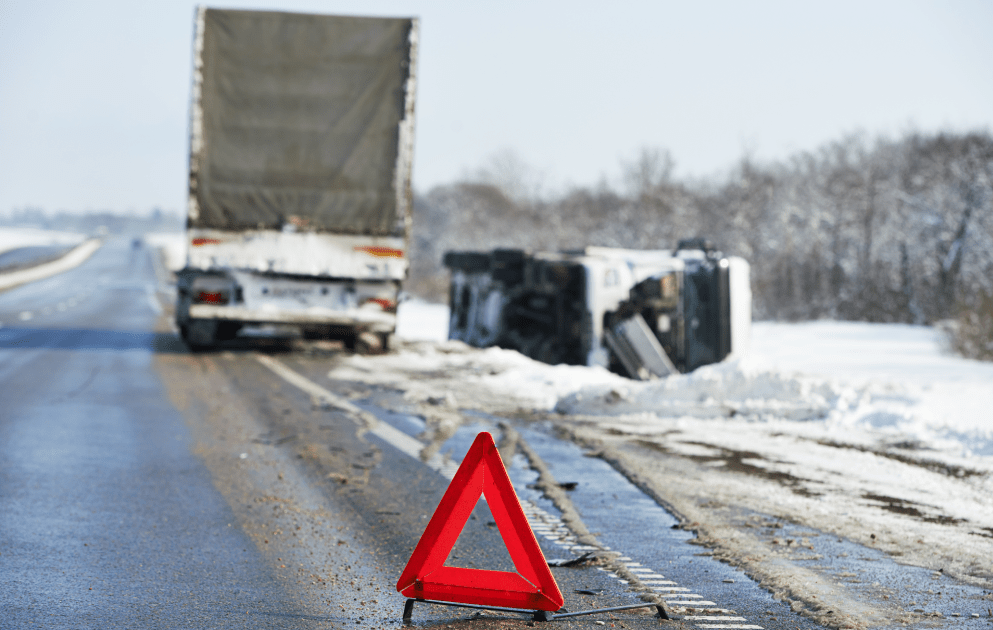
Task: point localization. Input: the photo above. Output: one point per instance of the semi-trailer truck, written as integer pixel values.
(301, 145)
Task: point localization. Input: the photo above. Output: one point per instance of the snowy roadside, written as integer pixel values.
(14, 238)
(865, 431)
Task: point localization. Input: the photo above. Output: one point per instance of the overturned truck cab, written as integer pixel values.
(642, 313)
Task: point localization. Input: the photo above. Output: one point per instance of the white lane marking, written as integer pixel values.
(412, 447)
(394, 437)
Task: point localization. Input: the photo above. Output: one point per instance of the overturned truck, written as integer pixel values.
(642, 313)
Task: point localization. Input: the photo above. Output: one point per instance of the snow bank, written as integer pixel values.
(74, 258)
(16, 237)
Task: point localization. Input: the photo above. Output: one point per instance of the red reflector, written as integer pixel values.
(381, 252)
(211, 297)
(197, 242)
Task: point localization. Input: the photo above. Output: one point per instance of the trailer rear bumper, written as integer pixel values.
(366, 319)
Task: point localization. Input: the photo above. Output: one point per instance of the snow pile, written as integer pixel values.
(16, 237)
(492, 377)
(720, 391)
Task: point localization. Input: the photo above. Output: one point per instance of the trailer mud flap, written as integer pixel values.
(638, 350)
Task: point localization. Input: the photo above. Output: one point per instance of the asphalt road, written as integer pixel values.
(144, 486)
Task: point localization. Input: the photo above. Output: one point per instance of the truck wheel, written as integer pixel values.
(199, 334)
(371, 343)
(227, 330)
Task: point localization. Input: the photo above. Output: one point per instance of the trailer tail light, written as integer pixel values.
(212, 297)
(200, 242)
(212, 290)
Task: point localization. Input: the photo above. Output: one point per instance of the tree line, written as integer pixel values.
(877, 230)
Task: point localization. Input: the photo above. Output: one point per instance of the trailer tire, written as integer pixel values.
(199, 334)
(369, 342)
(227, 330)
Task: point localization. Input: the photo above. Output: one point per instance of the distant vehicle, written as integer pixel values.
(642, 313)
(300, 164)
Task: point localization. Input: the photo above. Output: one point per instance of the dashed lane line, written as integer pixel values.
(542, 522)
(386, 432)
(26, 316)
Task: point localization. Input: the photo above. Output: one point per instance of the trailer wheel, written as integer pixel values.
(227, 330)
(370, 343)
(349, 341)
(199, 334)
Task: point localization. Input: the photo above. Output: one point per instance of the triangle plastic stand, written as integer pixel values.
(425, 577)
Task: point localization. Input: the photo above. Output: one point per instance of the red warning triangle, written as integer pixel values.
(425, 577)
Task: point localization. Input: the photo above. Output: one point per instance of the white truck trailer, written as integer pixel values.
(301, 144)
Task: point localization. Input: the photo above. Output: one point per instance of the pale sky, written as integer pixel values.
(94, 96)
